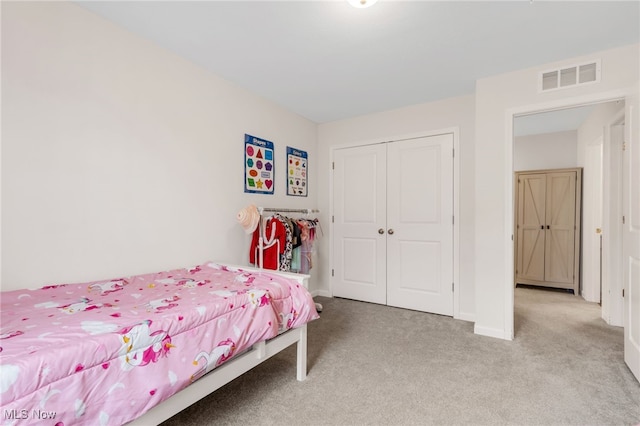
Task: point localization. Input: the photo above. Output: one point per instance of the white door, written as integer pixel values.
(420, 224)
(631, 234)
(359, 213)
(592, 230)
(392, 224)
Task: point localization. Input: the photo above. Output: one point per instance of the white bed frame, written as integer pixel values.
(233, 368)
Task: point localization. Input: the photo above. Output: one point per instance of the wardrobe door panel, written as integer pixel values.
(561, 223)
(530, 262)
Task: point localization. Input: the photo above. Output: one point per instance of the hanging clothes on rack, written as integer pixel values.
(285, 254)
(283, 243)
(269, 242)
(305, 251)
(280, 242)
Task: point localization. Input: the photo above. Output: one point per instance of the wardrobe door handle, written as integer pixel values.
(547, 226)
(541, 226)
(390, 231)
(380, 231)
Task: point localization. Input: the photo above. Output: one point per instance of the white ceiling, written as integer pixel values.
(553, 121)
(326, 60)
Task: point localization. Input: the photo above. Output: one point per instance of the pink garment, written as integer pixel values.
(307, 235)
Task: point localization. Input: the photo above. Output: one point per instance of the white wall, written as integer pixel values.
(434, 116)
(498, 98)
(594, 130)
(555, 150)
(119, 157)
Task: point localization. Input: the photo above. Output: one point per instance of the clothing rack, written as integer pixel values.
(261, 245)
(271, 209)
(261, 242)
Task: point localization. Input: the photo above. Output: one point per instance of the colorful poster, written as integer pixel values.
(297, 164)
(258, 165)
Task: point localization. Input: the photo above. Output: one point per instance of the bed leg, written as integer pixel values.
(302, 354)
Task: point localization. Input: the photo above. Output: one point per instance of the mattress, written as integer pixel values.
(107, 351)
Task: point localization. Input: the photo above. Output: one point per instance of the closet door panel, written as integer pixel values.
(419, 270)
(530, 262)
(359, 191)
(560, 212)
(419, 224)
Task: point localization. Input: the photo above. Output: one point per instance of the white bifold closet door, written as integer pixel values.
(393, 223)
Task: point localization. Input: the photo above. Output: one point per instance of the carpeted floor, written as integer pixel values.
(377, 365)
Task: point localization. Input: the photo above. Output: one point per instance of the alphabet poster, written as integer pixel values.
(297, 172)
(258, 165)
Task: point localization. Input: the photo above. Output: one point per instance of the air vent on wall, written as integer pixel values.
(573, 75)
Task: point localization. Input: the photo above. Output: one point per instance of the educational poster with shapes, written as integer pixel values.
(297, 164)
(258, 165)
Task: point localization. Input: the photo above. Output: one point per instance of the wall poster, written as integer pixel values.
(258, 165)
(297, 164)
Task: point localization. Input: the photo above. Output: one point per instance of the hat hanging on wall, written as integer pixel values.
(248, 217)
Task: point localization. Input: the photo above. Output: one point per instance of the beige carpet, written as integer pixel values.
(376, 365)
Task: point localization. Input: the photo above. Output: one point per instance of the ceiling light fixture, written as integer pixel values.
(361, 4)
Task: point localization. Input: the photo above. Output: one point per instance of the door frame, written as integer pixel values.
(455, 131)
(612, 308)
(508, 207)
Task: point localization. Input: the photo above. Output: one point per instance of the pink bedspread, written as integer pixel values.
(103, 353)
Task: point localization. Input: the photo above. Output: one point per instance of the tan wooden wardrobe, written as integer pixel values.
(547, 237)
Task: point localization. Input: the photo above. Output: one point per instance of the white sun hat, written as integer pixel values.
(248, 217)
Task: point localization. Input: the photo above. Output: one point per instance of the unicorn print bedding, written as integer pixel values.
(105, 352)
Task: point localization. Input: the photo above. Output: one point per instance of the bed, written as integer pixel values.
(142, 348)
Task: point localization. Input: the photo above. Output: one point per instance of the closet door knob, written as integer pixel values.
(390, 231)
(380, 231)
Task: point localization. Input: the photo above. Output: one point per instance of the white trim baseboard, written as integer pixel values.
(466, 316)
(323, 293)
(498, 333)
